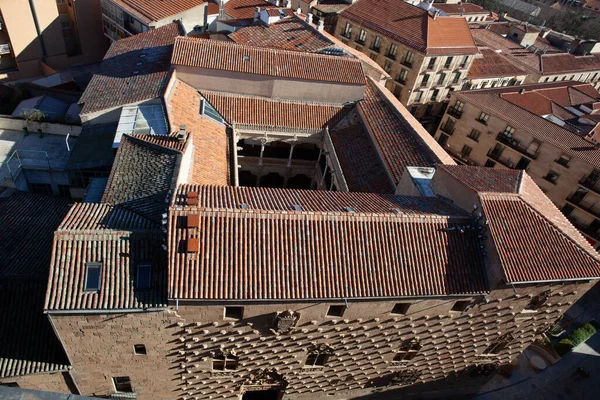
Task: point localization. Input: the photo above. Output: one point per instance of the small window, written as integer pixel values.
(552, 177)
(461, 305)
(234, 313)
(563, 160)
(408, 59)
(224, 362)
(466, 151)
(490, 164)
(318, 356)
(336, 311)
(388, 66)
(393, 50)
(408, 350)
(431, 64)
(92, 276)
(401, 308)
(144, 273)
(474, 135)
(139, 349)
(509, 130)
(448, 62)
(483, 118)
(402, 76)
(122, 384)
(442, 79)
(425, 80)
(373, 56)
(209, 111)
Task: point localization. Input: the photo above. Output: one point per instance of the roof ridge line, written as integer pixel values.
(145, 142)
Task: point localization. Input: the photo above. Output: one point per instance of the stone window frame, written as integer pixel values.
(122, 384)
(223, 361)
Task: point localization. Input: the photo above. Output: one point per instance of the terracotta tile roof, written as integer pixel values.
(362, 166)
(115, 237)
(288, 255)
(253, 110)
(155, 10)
(28, 345)
(142, 176)
(170, 141)
(28, 222)
(465, 8)
(565, 63)
(482, 179)
(534, 240)
(289, 33)
(212, 145)
(244, 9)
(413, 26)
(212, 8)
(492, 64)
(492, 101)
(396, 139)
(272, 199)
(227, 56)
(133, 70)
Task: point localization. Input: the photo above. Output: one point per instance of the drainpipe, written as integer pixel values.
(37, 28)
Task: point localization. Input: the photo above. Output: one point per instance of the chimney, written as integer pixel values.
(256, 14)
(309, 18)
(320, 25)
(288, 4)
(299, 11)
(181, 135)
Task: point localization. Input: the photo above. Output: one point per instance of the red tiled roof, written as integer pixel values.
(362, 166)
(482, 179)
(395, 138)
(212, 8)
(28, 222)
(492, 101)
(227, 56)
(465, 8)
(288, 255)
(133, 70)
(492, 64)
(252, 110)
(288, 33)
(211, 164)
(119, 240)
(565, 63)
(534, 241)
(413, 26)
(169, 142)
(244, 9)
(155, 10)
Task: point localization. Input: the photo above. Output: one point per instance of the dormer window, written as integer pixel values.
(92, 276)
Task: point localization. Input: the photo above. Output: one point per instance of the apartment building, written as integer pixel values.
(124, 18)
(527, 48)
(491, 69)
(31, 36)
(469, 11)
(427, 55)
(549, 130)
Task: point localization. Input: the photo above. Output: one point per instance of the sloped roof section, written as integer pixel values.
(413, 26)
(244, 9)
(320, 255)
(482, 179)
(212, 145)
(119, 240)
(227, 56)
(133, 70)
(260, 111)
(289, 33)
(155, 10)
(142, 175)
(492, 64)
(28, 223)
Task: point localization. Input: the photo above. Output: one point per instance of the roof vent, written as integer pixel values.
(244, 206)
(349, 209)
(192, 198)
(297, 208)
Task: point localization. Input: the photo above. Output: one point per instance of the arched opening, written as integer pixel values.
(300, 181)
(247, 178)
(272, 180)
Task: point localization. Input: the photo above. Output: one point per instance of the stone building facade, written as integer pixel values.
(425, 68)
(519, 128)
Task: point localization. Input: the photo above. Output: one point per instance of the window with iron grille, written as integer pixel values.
(224, 362)
(407, 351)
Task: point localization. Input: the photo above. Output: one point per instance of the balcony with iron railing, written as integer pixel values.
(584, 228)
(360, 41)
(515, 144)
(497, 156)
(590, 184)
(453, 111)
(448, 128)
(587, 206)
(346, 34)
(460, 157)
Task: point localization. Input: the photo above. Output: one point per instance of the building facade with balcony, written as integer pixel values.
(549, 130)
(124, 18)
(428, 55)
